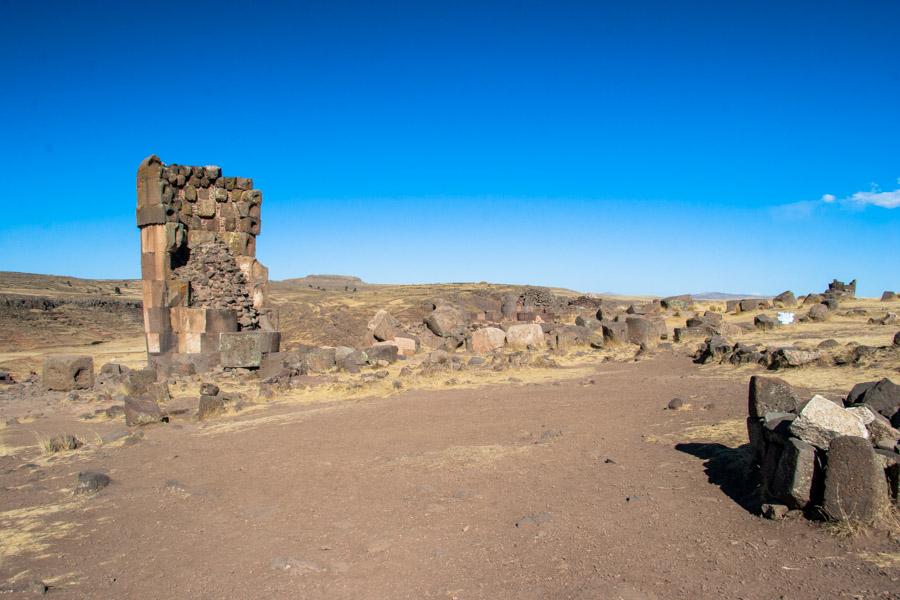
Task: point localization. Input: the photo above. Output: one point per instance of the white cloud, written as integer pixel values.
(882, 199)
(828, 198)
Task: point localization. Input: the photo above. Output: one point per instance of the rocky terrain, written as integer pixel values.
(454, 441)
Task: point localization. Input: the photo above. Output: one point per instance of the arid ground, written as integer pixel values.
(567, 481)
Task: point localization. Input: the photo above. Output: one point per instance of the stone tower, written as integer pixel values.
(204, 292)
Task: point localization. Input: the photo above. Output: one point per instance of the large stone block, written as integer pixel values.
(246, 348)
(820, 421)
(642, 331)
(771, 394)
(615, 333)
(682, 302)
(487, 339)
(793, 481)
(855, 485)
(67, 372)
(525, 336)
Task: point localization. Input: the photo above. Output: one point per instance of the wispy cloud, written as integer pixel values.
(882, 199)
(859, 200)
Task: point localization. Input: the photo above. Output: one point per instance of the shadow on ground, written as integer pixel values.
(731, 469)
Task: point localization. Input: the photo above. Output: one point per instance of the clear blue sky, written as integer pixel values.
(643, 147)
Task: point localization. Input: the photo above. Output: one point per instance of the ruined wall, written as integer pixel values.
(201, 279)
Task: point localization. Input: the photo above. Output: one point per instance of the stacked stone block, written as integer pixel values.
(193, 219)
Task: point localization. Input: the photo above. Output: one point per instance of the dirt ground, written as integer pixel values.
(579, 486)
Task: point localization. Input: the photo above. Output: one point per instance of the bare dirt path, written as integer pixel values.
(566, 490)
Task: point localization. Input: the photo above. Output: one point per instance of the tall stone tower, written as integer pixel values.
(204, 292)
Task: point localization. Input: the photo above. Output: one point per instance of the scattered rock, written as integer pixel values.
(62, 443)
(90, 482)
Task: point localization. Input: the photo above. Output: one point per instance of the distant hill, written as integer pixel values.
(327, 282)
(725, 296)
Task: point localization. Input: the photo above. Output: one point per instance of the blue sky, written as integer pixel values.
(640, 147)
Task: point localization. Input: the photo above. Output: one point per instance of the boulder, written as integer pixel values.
(714, 349)
(386, 351)
(642, 331)
(791, 357)
(889, 296)
(896, 340)
(831, 304)
(813, 299)
(245, 349)
(882, 396)
(67, 372)
(888, 319)
(569, 336)
(90, 482)
(784, 300)
(750, 304)
(525, 336)
(820, 421)
(765, 322)
(680, 302)
(353, 361)
(487, 339)
(589, 322)
(447, 320)
(143, 410)
(855, 485)
(615, 332)
(406, 346)
(818, 312)
(383, 326)
(319, 360)
(771, 394)
(793, 478)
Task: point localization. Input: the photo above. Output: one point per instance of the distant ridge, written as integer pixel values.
(327, 282)
(725, 296)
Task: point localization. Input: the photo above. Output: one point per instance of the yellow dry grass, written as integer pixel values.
(884, 560)
(33, 529)
(730, 432)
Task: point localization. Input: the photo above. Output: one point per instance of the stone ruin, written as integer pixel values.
(832, 458)
(204, 292)
(840, 290)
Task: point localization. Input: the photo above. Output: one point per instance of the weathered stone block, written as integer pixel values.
(525, 336)
(794, 475)
(820, 421)
(642, 331)
(487, 339)
(615, 332)
(66, 372)
(771, 394)
(855, 484)
(246, 348)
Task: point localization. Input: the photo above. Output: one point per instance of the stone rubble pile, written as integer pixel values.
(831, 458)
(216, 281)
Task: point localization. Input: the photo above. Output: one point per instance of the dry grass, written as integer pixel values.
(884, 560)
(33, 529)
(731, 433)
